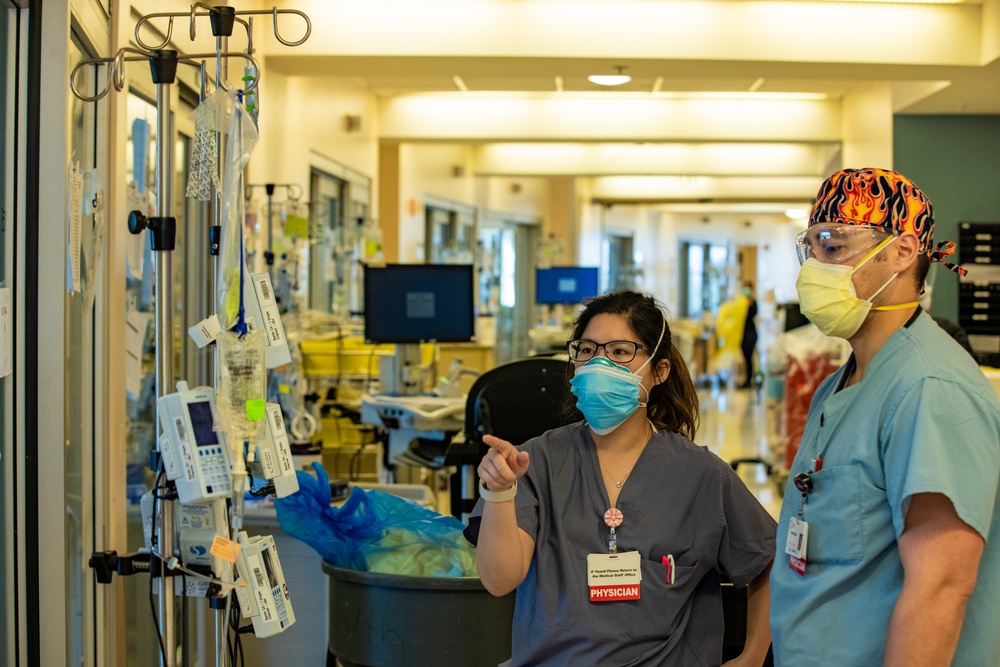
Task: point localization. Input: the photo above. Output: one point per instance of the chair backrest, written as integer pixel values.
(518, 400)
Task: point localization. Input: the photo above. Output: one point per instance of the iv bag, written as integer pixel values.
(240, 398)
(241, 138)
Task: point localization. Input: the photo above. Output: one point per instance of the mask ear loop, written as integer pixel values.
(874, 252)
(663, 330)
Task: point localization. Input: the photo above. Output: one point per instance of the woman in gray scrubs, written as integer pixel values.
(615, 530)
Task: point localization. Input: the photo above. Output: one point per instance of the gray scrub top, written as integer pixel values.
(679, 499)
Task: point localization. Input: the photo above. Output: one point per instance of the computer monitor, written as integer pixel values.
(793, 316)
(412, 303)
(565, 284)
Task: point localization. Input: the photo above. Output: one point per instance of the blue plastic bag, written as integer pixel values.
(375, 531)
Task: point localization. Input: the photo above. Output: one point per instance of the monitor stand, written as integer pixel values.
(402, 373)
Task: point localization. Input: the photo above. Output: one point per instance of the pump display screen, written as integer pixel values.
(272, 580)
(201, 422)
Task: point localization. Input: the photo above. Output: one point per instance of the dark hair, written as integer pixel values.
(920, 275)
(673, 404)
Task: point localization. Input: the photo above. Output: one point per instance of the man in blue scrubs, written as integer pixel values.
(888, 548)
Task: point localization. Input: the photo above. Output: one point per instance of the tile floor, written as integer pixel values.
(743, 424)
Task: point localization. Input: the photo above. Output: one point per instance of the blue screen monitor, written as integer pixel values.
(565, 284)
(411, 303)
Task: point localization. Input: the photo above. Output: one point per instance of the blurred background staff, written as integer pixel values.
(749, 341)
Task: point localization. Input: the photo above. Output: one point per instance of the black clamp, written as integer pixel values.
(108, 563)
(214, 239)
(163, 230)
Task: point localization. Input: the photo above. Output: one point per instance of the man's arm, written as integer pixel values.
(940, 556)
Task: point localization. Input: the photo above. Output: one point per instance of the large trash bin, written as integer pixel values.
(386, 620)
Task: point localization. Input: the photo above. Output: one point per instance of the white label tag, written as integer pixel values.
(612, 577)
(798, 538)
(205, 331)
(75, 224)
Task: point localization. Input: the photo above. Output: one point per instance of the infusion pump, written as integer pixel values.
(195, 455)
(264, 597)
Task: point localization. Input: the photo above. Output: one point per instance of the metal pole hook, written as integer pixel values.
(108, 63)
(166, 40)
(274, 12)
(194, 14)
(118, 70)
(305, 18)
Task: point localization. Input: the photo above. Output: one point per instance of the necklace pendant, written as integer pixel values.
(619, 484)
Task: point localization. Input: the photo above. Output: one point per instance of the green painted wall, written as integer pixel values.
(956, 161)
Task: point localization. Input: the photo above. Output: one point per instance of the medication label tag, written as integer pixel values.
(225, 549)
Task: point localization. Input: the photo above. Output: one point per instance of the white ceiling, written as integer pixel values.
(935, 58)
(967, 89)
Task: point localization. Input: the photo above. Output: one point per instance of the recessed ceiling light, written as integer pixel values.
(610, 79)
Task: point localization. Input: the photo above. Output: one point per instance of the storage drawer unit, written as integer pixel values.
(979, 291)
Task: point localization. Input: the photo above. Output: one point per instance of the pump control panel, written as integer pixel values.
(195, 455)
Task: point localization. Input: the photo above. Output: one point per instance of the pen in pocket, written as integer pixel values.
(668, 560)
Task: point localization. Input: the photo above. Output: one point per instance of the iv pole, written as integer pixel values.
(269, 188)
(162, 227)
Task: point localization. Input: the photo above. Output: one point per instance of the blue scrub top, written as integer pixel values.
(923, 420)
(680, 500)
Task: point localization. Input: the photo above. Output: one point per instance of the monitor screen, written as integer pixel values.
(410, 303)
(793, 316)
(565, 284)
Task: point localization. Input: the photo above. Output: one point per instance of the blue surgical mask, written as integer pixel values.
(607, 394)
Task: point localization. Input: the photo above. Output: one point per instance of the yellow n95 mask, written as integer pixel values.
(827, 296)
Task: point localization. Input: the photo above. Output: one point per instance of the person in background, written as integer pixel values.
(749, 343)
(889, 536)
(625, 490)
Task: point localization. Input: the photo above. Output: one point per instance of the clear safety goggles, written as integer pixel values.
(836, 243)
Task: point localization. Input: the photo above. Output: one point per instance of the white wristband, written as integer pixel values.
(497, 496)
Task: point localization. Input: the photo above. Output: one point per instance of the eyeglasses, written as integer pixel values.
(833, 243)
(618, 351)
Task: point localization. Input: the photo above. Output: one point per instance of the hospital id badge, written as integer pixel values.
(798, 538)
(613, 577)
(795, 545)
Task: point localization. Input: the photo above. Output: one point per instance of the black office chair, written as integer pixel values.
(515, 401)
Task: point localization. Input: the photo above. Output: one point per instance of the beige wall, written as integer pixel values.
(302, 125)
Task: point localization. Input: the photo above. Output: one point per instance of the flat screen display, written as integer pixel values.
(565, 284)
(410, 303)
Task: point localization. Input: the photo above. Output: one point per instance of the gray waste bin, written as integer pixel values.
(387, 620)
